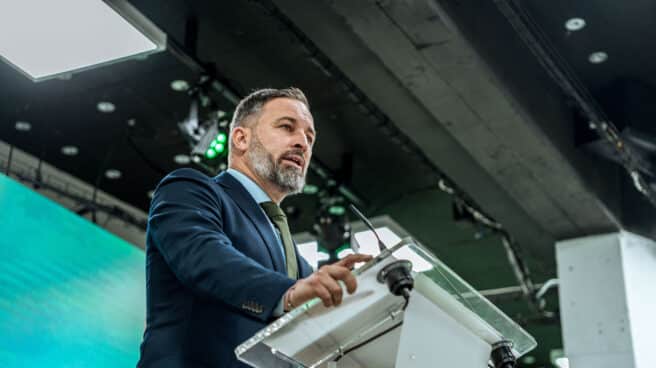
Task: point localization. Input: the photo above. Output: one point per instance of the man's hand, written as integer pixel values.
(324, 283)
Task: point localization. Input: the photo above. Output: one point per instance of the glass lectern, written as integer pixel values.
(444, 323)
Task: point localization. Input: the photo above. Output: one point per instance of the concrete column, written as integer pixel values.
(608, 300)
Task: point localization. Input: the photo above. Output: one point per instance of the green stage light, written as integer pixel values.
(336, 210)
(210, 153)
(310, 189)
(219, 148)
(221, 138)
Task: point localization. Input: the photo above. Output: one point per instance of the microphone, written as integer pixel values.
(381, 245)
(397, 275)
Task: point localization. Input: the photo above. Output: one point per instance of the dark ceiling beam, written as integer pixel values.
(411, 61)
(188, 57)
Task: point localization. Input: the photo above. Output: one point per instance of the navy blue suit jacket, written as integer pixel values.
(214, 271)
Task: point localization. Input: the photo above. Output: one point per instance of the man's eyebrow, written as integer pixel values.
(293, 120)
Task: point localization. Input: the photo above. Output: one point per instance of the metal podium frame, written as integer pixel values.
(312, 336)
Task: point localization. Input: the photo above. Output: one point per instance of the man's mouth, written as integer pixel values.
(294, 160)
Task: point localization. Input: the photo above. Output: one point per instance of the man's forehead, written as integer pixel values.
(284, 106)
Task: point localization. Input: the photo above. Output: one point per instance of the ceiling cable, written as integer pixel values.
(556, 67)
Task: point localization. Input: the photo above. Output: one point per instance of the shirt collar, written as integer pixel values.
(252, 188)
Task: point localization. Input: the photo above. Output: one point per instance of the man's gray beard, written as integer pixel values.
(288, 179)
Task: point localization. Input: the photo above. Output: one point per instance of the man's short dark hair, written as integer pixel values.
(251, 105)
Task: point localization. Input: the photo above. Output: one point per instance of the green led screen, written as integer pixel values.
(71, 294)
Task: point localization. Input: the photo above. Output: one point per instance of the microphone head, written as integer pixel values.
(381, 245)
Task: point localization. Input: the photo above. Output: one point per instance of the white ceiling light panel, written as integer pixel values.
(48, 39)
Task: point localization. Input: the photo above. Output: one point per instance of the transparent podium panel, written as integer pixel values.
(365, 330)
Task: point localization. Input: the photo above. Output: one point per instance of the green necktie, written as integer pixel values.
(279, 219)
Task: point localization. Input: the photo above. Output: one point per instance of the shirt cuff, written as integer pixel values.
(280, 308)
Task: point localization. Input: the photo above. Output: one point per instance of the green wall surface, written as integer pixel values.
(71, 294)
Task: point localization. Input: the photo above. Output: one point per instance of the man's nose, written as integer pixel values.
(301, 141)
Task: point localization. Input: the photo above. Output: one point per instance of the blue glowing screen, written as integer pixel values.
(71, 294)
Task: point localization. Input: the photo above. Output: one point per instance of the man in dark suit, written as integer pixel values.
(220, 261)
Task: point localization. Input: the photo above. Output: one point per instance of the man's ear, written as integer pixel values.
(241, 138)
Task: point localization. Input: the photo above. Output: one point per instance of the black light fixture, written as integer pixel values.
(332, 229)
(208, 138)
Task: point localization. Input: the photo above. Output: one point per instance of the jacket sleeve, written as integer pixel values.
(186, 226)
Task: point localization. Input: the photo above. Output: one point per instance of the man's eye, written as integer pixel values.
(287, 127)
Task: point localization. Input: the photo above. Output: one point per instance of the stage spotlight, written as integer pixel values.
(206, 130)
(217, 146)
(73, 35)
(212, 143)
(333, 230)
(210, 153)
(209, 144)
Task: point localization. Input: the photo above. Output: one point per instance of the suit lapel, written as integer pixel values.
(253, 211)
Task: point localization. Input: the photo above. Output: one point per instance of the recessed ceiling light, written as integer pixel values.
(113, 174)
(598, 57)
(106, 107)
(23, 126)
(222, 166)
(69, 150)
(150, 194)
(575, 24)
(179, 85)
(74, 35)
(181, 159)
(195, 158)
